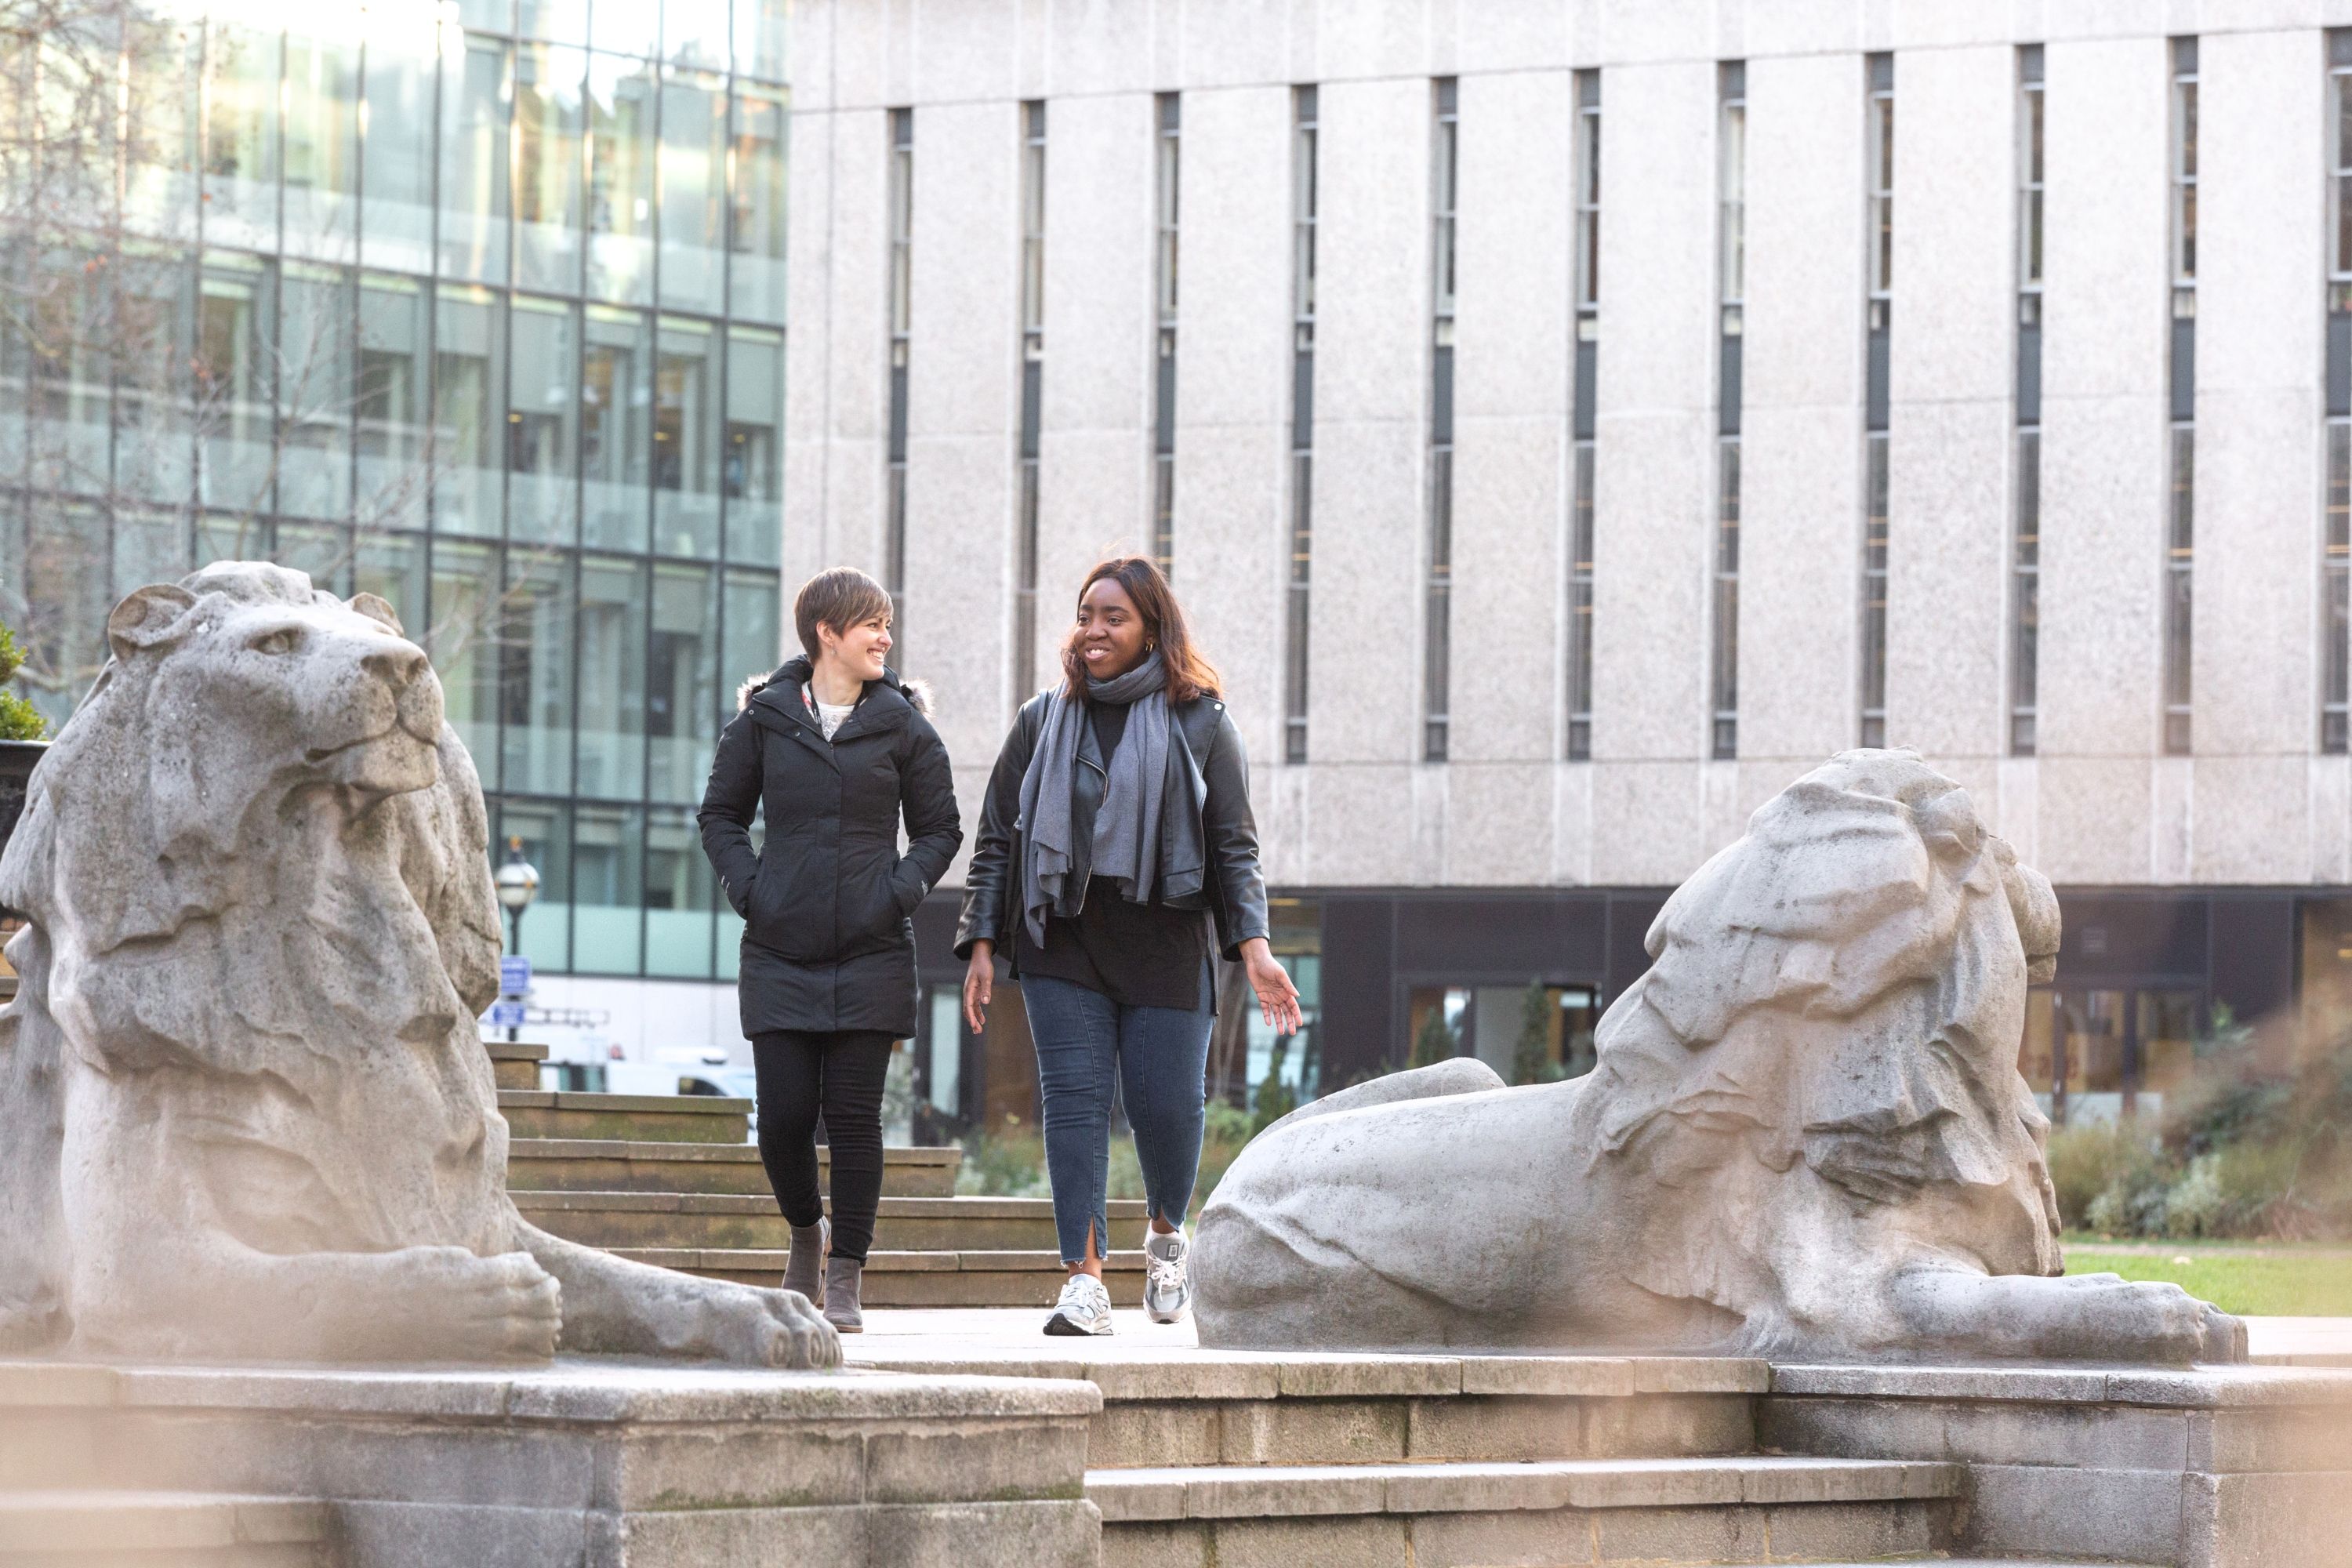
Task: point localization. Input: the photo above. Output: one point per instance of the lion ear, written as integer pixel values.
(146, 617)
(377, 609)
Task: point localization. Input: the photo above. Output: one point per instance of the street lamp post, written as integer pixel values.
(518, 884)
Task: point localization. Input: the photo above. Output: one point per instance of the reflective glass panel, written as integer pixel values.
(548, 121)
(235, 314)
(545, 829)
(150, 342)
(755, 473)
(463, 641)
(396, 148)
(535, 673)
(543, 421)
(469, 395)
(693, 190)
(241, 68)
(314, 391)
(620, 180)
(391, 567)
(694, 33)
(477, 88)
(679, 897)
(626, 27)
(607, 870)
(759, 38)
(394, 370)
(616, 422)
(756, 280)
(754, 635)
(557, 21)
(681, 679)
(160, 195)
(611, 678)
(686, 439)
(322, 148)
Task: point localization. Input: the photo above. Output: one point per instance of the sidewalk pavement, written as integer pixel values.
(899, 1336)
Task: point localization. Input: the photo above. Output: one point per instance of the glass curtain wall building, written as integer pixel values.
(481, 309)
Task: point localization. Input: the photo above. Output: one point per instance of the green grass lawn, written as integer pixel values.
(2285, 1282)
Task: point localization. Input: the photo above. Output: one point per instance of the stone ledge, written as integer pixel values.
(648, 1148)
(1175, 1374)
(2196, 1388)
(571, 1099)
(771, 1260)
(574, 1389)
(753, 1203)
(1288, 1491)
(135, 1520)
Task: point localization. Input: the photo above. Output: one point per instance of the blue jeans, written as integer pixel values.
(1160, 1059)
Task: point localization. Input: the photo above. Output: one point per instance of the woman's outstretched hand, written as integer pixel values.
(1277, 998)
(979, 985)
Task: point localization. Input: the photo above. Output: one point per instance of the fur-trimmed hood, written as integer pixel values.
(795, 670)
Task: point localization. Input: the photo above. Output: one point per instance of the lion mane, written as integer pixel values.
(1824, 1004)
(206, 805)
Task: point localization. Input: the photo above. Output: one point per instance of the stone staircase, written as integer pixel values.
(671, 1180)
(1209, 1460)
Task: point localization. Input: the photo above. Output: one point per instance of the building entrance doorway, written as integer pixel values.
(2098, 1055)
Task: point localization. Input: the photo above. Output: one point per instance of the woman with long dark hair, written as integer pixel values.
(837, 750)
(1116, 837)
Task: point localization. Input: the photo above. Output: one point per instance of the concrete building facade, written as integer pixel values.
(1601, 413)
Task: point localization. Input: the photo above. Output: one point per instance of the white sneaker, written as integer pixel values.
(1167, 1287)
(1083, 1309)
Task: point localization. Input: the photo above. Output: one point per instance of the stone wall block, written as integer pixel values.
(1006, 1460)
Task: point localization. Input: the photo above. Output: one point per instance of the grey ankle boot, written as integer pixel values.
(841, 1282)
(804, 1267)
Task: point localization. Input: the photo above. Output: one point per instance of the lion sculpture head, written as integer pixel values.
(254, 872)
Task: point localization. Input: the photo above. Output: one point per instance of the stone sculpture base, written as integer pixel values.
(587, 1463)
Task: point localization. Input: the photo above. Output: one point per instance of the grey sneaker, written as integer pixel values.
(1083, 1309)
(1167, 1287)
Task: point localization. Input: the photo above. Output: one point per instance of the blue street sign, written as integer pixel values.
(505, 1015)
(514, 975)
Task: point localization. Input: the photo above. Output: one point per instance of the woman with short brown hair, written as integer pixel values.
(1116, 836)
(837, 748)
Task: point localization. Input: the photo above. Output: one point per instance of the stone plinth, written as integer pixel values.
(593, 1463)
(2206, 1468)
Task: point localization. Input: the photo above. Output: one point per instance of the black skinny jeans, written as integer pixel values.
(801, 1073)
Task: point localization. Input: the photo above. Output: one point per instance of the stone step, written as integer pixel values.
(183, 1529)
(728, 1222)
(652, 1118)
(602, 1165)
(1255, 1408)
(1028, 1278)
(1727, 1509)
(515, 1063)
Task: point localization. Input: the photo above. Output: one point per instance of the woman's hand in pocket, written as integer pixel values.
(979, 985)
(1277, 998)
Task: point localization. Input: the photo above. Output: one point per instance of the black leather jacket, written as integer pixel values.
(1213, 830)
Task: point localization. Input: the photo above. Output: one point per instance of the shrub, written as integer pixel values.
(2085, 1160)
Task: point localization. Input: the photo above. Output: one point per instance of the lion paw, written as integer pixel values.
(502, 1308)
(776, 1328)
(2156, 1320)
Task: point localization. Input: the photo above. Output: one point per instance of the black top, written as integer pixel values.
(1139, 955)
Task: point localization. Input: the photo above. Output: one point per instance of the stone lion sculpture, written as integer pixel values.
(1806, 1135)
(245, 1111)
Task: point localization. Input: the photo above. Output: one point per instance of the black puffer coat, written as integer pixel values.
(827, 941)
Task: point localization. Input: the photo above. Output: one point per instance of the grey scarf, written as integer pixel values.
(1127, 825)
